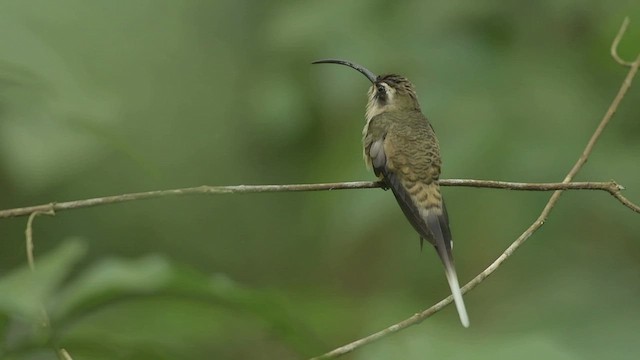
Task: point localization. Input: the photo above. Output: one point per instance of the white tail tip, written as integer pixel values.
(452, 278)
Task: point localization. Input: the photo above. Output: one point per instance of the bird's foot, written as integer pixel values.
(383, 185)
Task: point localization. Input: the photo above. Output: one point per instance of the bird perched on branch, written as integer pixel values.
(401, 147)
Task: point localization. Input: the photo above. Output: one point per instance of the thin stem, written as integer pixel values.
(616, 41)
(28, 234)
(611, 187)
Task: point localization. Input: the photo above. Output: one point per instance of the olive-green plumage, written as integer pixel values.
(401, 147)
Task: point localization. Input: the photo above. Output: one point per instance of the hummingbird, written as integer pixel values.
(401, 147)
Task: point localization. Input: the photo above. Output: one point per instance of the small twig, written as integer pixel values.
(419, 317)
(626, 202)
(28, 234)
(611, 187)
(616, 41)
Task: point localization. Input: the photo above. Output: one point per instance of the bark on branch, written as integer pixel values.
(611, 187)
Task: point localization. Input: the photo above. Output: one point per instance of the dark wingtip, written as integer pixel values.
(364, 71)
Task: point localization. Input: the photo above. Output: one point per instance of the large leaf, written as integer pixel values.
(23, 292)
(113, 281)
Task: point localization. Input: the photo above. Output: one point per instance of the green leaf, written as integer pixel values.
(153, 278)
(110, 279)
(25, 292)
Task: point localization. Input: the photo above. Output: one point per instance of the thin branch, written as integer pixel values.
(626, 202)
(419, 317)
(28, 235)
(611, 187)
(616, 41)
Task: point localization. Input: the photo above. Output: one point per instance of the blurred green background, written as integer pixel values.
(107, 97)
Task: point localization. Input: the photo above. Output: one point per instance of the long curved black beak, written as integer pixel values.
(364, 71)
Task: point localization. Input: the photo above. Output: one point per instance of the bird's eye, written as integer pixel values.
(381, 89)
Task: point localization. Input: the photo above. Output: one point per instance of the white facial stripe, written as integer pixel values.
(389, 89)
(373, 106)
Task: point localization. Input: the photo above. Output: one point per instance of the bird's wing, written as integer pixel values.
(421, 202)
(417, 198)
(379, 163)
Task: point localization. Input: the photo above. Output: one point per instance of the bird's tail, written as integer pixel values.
(435, 223)
(452, 278)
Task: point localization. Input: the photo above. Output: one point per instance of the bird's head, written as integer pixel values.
(387, 93)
